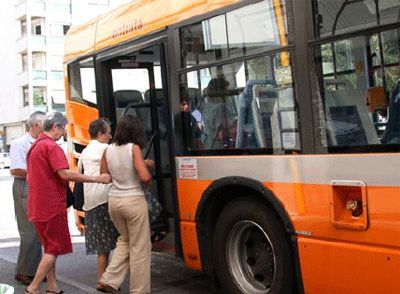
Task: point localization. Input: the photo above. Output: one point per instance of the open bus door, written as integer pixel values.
(134, 83)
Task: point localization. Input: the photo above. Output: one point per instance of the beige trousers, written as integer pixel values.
(133, 251)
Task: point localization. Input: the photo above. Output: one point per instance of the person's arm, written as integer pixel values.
(78, 222)
(140, 165)
(103, 164)
(149, 163)
(18, 172)
(74, 176)
(18, 161)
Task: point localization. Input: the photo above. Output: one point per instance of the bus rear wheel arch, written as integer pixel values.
(251, 251)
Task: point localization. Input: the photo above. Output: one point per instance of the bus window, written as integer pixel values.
(82, 82)
(256, 26)
(353, 72)
(342, 16)
(204, 42)
(244, 105)
(239, 32)
(129, 85)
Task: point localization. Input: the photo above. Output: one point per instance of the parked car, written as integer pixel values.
(4, 160)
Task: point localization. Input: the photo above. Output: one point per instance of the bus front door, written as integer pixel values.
(135, 85)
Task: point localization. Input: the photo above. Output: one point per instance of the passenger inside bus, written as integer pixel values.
(191, 132)
(258, 116)
(218, 114)
(392, 131)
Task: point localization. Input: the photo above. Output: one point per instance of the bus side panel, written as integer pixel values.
(79, 117)
(189, 195)
(190, 245)
(310, 212)
(354, 265)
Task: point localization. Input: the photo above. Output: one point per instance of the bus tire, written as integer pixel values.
(251, 250)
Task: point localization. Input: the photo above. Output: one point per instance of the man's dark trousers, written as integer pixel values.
(30, 249)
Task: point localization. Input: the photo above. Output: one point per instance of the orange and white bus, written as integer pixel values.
(282, 174)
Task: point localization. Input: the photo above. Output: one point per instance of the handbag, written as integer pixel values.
(78, 194)
(69, 197)
(78, 197)
(154, 207)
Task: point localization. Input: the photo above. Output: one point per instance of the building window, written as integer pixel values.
(23, 28)
(58, 97)
(38, 30)
(56, 75)
(38, 61)
(24, 58)
(99, 2)
(25, 96)
(65, 29)
(39, 96)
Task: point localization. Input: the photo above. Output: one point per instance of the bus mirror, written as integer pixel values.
(375, 99)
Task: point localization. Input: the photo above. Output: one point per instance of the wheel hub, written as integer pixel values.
(250, 257)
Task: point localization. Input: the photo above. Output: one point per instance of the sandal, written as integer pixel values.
(105, 288)
(28, 292)
(157, 236)
(54, 292)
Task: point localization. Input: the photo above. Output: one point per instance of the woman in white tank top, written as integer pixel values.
(123, 160)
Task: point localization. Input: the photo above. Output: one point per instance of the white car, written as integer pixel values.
(4, 160)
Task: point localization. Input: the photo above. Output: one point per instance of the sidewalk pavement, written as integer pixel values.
(77, 272)
(7, 277)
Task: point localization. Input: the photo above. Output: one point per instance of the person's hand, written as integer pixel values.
(149, 163)
(104, 178)
(80, 226)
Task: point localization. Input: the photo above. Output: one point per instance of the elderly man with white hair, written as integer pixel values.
(30, 251)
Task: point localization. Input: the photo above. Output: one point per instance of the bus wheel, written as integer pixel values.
(251, 250)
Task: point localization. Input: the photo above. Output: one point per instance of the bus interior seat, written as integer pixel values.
(249, 115)
(160, 109)
(392, 131)
(348, 118)
(159, 95)
(162, 124)
(125, 100)
(266, 119)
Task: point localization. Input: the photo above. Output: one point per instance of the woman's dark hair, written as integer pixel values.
(129, 130)
(98, 125)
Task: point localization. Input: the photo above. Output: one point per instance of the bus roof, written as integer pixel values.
(131, 21)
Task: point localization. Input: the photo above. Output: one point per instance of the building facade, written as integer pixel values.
(33, 51)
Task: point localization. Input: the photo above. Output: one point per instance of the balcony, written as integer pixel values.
(55, 45)
(59, 11)
(42, 108)
(38, 43)
(35, 8)
(21, 9)
(23, 79)
(21, 45)
(23, 113)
